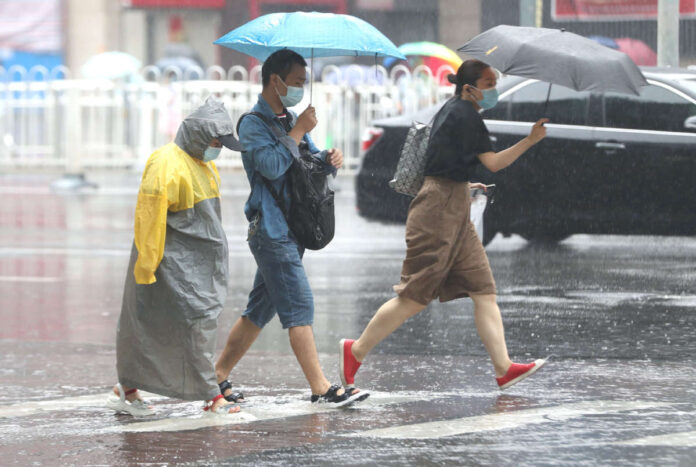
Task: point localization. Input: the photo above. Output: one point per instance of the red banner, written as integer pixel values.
(205, 4)
(613, 10)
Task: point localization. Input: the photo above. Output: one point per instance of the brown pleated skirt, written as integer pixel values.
(445, 258)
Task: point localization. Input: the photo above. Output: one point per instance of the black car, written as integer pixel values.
(610, 164)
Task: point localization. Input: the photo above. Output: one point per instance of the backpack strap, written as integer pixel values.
(274, 128)
(280, 134)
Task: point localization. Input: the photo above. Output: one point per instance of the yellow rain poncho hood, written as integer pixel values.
(207, 122)
(176, 283)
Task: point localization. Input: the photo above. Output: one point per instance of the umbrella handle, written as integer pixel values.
(311, 75)
(548, 96)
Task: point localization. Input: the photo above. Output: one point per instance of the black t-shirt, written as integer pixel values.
(457, 137)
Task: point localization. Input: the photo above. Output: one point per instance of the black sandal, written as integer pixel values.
(234, 396)
(351, 391)
(330, 396)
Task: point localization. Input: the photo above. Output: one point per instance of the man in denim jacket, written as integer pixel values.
(280, 286)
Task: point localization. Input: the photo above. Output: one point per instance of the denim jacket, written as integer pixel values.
(266, 155)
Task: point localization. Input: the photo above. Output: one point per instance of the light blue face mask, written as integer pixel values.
(490, 98)
(293, 97)
(211, 153)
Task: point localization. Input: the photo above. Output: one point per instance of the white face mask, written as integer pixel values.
(293, 97)
(211, 153)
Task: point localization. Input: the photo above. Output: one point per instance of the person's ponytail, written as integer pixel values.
(469, 72)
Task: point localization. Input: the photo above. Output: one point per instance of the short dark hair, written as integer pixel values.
(468, 73)
(280, 62)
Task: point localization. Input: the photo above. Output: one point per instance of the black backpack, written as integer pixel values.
(311, 215)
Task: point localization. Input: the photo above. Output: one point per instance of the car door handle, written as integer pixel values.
(611, 146)
(494, 139)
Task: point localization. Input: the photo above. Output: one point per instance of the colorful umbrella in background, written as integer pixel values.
(432, 49)
(111, 65)
(639, 51)
(430, 54)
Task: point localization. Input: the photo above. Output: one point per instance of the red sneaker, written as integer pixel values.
(348, 364)
(519, 371)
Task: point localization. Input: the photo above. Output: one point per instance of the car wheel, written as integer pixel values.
(544, 238)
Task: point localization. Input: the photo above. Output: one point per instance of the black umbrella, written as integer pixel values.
(557, 57)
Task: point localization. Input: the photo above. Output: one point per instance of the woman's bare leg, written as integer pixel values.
(388, 318)
(489, 324)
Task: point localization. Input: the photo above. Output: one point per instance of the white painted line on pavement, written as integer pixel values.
(28, 279)
(257, 408)
(684, 439)
(53, 405)
(258, 411)
(506, 420)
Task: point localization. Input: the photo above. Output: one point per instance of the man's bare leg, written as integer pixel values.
(241, 336)
(302, 343)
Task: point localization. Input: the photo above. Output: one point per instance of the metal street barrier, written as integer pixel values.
(50, 120)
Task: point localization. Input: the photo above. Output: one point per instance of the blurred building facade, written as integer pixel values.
(147, 28)
(70, 31)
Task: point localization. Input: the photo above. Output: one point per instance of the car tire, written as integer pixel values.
(544, 238)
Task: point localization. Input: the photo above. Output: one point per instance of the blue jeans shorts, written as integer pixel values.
(280, 286)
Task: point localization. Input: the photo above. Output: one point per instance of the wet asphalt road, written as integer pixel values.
(617, 314)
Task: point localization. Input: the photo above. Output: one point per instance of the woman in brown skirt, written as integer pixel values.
(445, 258)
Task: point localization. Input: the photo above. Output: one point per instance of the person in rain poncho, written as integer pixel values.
(177, 277)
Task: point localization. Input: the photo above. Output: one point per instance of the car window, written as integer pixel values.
(656, 108)
(566, 106)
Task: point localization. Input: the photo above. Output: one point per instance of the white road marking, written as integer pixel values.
(506, 420)
(27, 408)
(257, 408)
(271, 408)
(257, 411)
(28, 279)
(685, 439)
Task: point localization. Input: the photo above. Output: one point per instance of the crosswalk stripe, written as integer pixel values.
(685, 439)
(506, 420)
(257, 408)
(253, 412)
(28, 408)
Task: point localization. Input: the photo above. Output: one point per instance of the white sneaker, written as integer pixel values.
(136, 408)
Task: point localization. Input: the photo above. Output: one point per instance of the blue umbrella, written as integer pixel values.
(310, 35)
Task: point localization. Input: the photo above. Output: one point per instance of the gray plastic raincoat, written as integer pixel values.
(177, 277)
